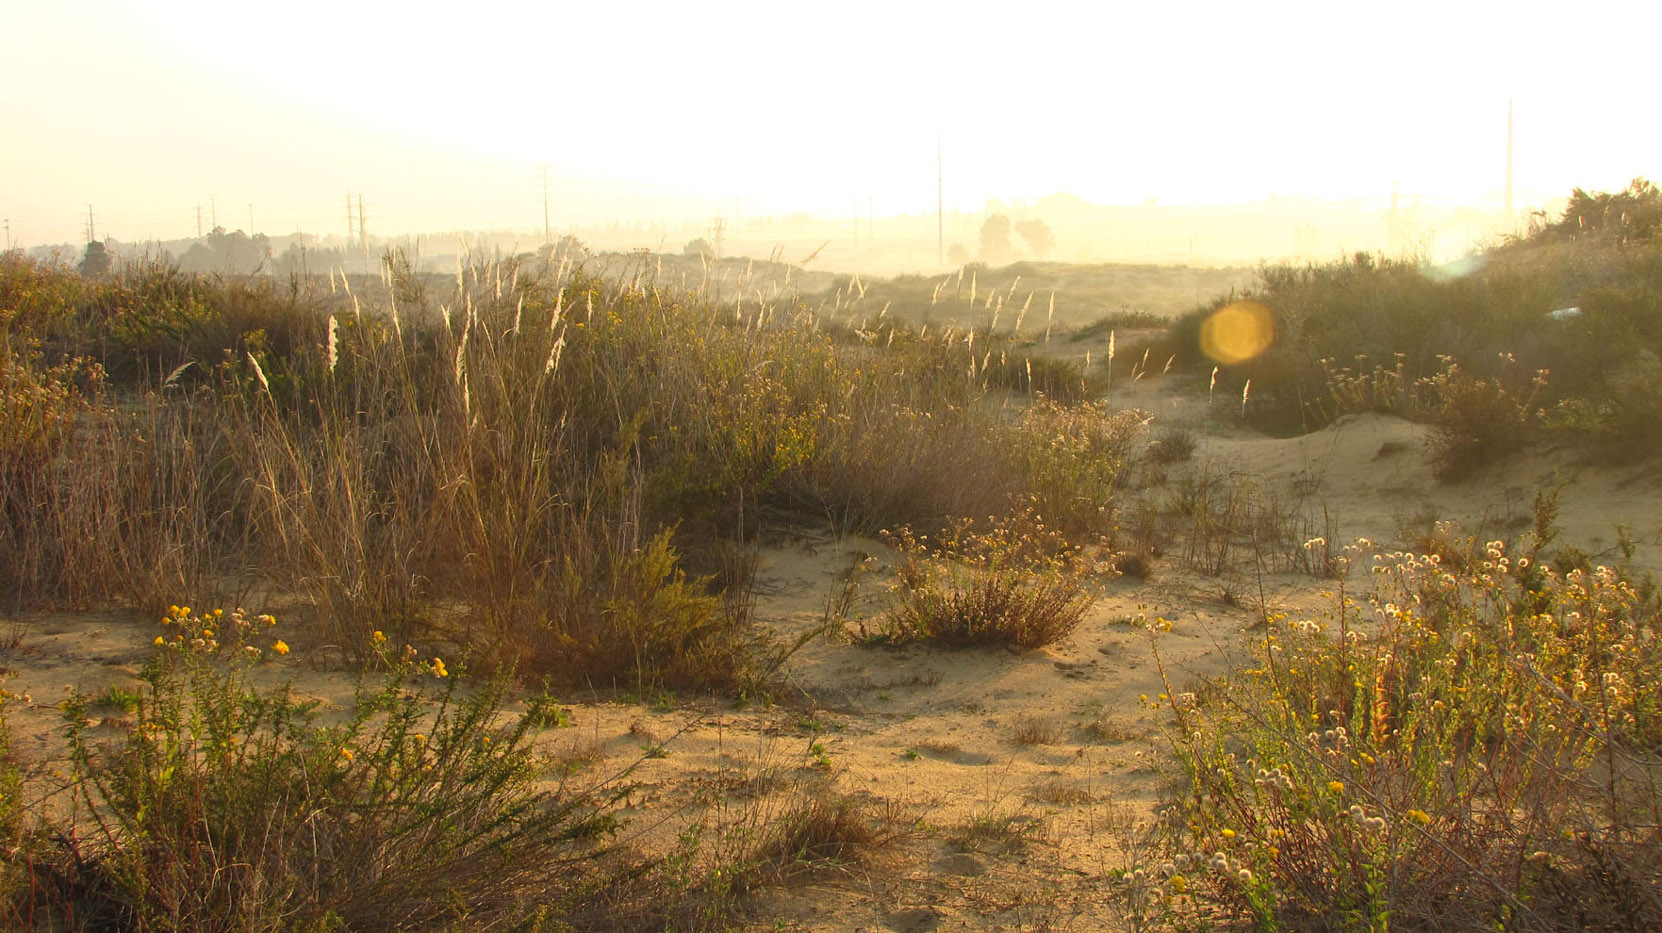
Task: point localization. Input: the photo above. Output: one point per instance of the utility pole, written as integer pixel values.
(199, 220)
(1509, 160)
(363, 232)
(940, 216)
(91, 230)
(213, 209)
(349, 225)
(8, 234)
(547, 235)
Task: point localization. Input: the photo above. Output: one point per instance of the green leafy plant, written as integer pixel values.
(233, 805)
(1466, 746)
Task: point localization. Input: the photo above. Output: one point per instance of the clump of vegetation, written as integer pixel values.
(561, 471)
(1469, 747)
(1013, 582)
(1172, 445)
(225, 803)
(1599, 266)
(1476, 421)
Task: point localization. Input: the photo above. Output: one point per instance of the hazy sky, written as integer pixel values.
(440, 115)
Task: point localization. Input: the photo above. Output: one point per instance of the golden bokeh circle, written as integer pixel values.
(1237, 332)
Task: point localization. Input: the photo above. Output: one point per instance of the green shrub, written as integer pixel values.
(1476, 421)
(1466, 748)
(230, 805)
(1602, 258)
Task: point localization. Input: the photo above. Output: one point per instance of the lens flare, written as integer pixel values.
(1237, 332)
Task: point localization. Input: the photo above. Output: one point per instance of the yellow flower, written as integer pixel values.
(346, 753)
(1337, 787)
(439, 668)
(281, 647)
(207, 633)
(378, 637)
(1229, 834)
(1420, 816)
(218, 613)
(160, 641)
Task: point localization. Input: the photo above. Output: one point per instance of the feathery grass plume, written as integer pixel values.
(1022, 316)
(554, 351)
(972, 287)
(1246, 392)
(259, 372)
(1050, 316)
(334, 343)
(1110, 359)
(1167, 368)
(1212, 387)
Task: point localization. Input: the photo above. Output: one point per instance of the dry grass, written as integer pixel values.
(1035, 730)
(1017, 584)
(1060, 792)
(561, 471)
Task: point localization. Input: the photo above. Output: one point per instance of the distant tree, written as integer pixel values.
(1040, 241)
(568, 248)
(96, 260)
(995, 240)
(1635, 212)
(957, 254)
(698, 247)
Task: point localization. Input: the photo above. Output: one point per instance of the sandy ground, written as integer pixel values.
(1011, 777)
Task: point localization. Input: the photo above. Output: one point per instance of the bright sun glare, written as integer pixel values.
(675, 110)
